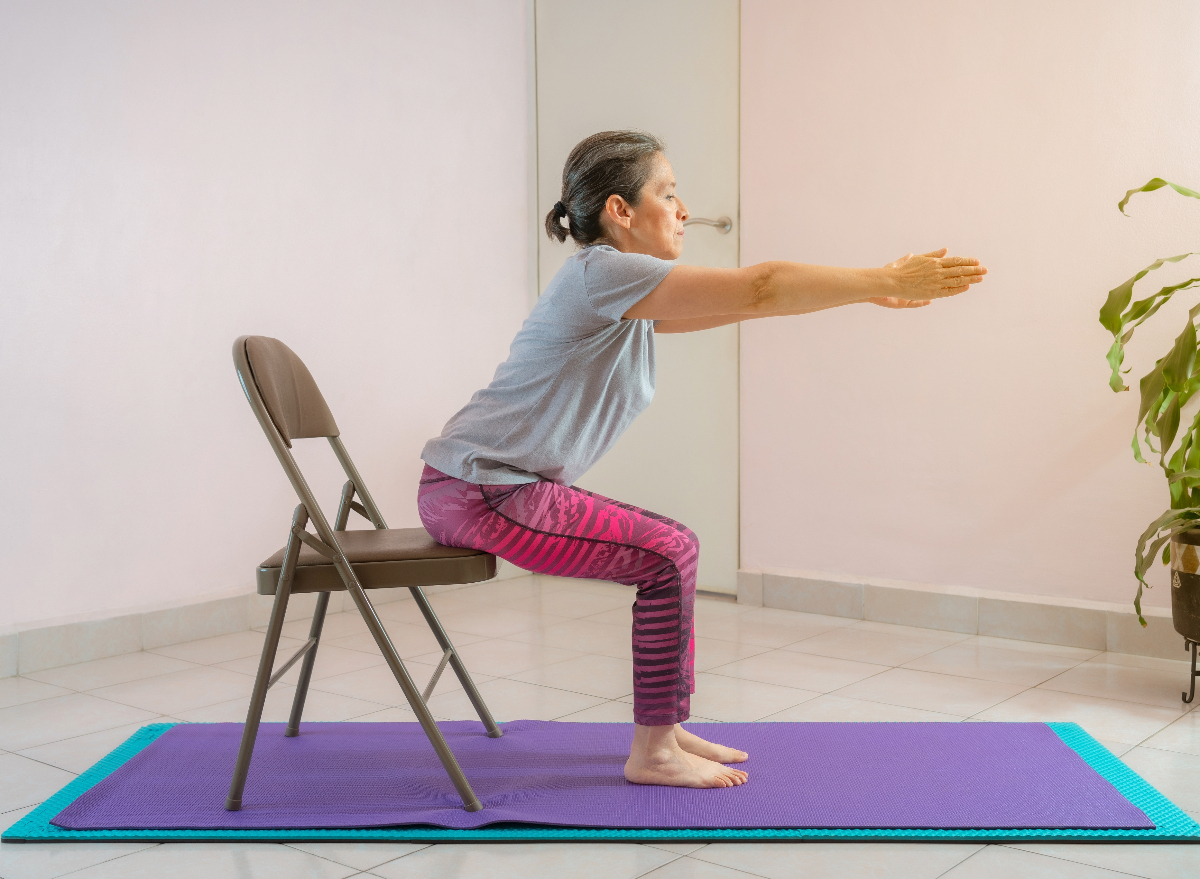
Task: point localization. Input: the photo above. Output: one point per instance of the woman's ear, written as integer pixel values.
(618, 211)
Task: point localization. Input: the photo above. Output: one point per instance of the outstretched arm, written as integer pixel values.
(694, 324)
(693, 298)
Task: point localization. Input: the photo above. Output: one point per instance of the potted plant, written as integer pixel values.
(1165, 392)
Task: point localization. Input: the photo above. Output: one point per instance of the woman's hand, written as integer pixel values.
(895, 302)
(928, 276)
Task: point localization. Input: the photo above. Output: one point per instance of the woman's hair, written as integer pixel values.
(608, 163)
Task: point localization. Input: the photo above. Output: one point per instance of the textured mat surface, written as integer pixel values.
(1171, 823)
(803, 775)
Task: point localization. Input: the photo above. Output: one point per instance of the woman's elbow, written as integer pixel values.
(763, 292)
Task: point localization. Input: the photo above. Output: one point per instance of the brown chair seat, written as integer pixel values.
(382, 559)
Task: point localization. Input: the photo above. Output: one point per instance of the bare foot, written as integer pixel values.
(657, 758)
(693, 744)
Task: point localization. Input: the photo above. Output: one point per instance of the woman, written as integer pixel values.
(500, 476)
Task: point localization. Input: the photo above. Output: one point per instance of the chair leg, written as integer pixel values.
(233, 802)
(460, 670)
(411, 693)
(314, 635)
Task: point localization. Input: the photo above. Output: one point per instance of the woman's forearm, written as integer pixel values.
(798, 288)
(695, 324)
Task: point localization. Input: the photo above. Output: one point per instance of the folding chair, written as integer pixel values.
(289, 406)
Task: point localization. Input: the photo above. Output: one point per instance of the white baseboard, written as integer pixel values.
(62, 641)
(1096, 625)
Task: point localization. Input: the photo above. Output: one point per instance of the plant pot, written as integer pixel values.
(1185, 583)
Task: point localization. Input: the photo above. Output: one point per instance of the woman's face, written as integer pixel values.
(655, 225)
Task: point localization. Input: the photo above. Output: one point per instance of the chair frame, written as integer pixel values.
(325, 542)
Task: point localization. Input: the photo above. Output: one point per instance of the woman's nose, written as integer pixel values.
(681, 209)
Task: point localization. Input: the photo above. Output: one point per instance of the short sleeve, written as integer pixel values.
(615, 281)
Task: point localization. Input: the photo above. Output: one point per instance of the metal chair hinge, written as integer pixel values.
(315, 542)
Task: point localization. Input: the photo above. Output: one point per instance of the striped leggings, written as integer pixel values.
(568, 532)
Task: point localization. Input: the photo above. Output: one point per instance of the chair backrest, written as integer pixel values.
(293, 400)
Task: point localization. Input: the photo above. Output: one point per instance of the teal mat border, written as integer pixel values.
(1172, 824)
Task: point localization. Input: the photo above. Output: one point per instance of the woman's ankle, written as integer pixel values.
(647, 739)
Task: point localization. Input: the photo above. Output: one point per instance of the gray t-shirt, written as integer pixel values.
(576, 377)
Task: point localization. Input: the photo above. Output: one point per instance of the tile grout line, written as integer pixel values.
(1015, 695)
(983, 848)
(51, 765)
(713, 863)
(660, 866)
(351, 866)
(975, 714)
(91, 692)
(1086, 696)
(150, 847)
(1070, 861)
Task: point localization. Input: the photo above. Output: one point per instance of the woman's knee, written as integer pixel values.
(689, 545)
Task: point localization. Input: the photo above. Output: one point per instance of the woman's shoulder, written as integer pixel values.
(601, 260)
(606, 267)
(591, 262)
(608, 253)
(591, 255)
(600, 281)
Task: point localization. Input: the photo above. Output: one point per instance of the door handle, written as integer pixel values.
(721, 224)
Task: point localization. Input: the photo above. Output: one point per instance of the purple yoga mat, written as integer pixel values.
(802, 775)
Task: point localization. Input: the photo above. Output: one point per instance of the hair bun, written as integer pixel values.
(560, 210)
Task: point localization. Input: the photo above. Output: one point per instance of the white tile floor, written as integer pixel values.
(559, 649)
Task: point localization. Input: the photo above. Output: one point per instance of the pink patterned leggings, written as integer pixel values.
(568, 532)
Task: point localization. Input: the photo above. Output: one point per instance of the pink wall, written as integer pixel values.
(974, 442)
(349, 177)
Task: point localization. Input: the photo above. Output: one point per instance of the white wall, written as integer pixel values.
(350, 177)
(974, 442)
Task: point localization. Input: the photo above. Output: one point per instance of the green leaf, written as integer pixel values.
(1167, 553)
(1175, 489)
(1192, 461)
(1177, 368)
(1137, 449)
(1168, 426)
(1164, 521)
(1155, 183)
(1175, 465)
(1172, 522)
(1187, 473)
(1116, 354)
(1119, 296)
(1151, 387)
(1152, 552)
(1144, 309)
